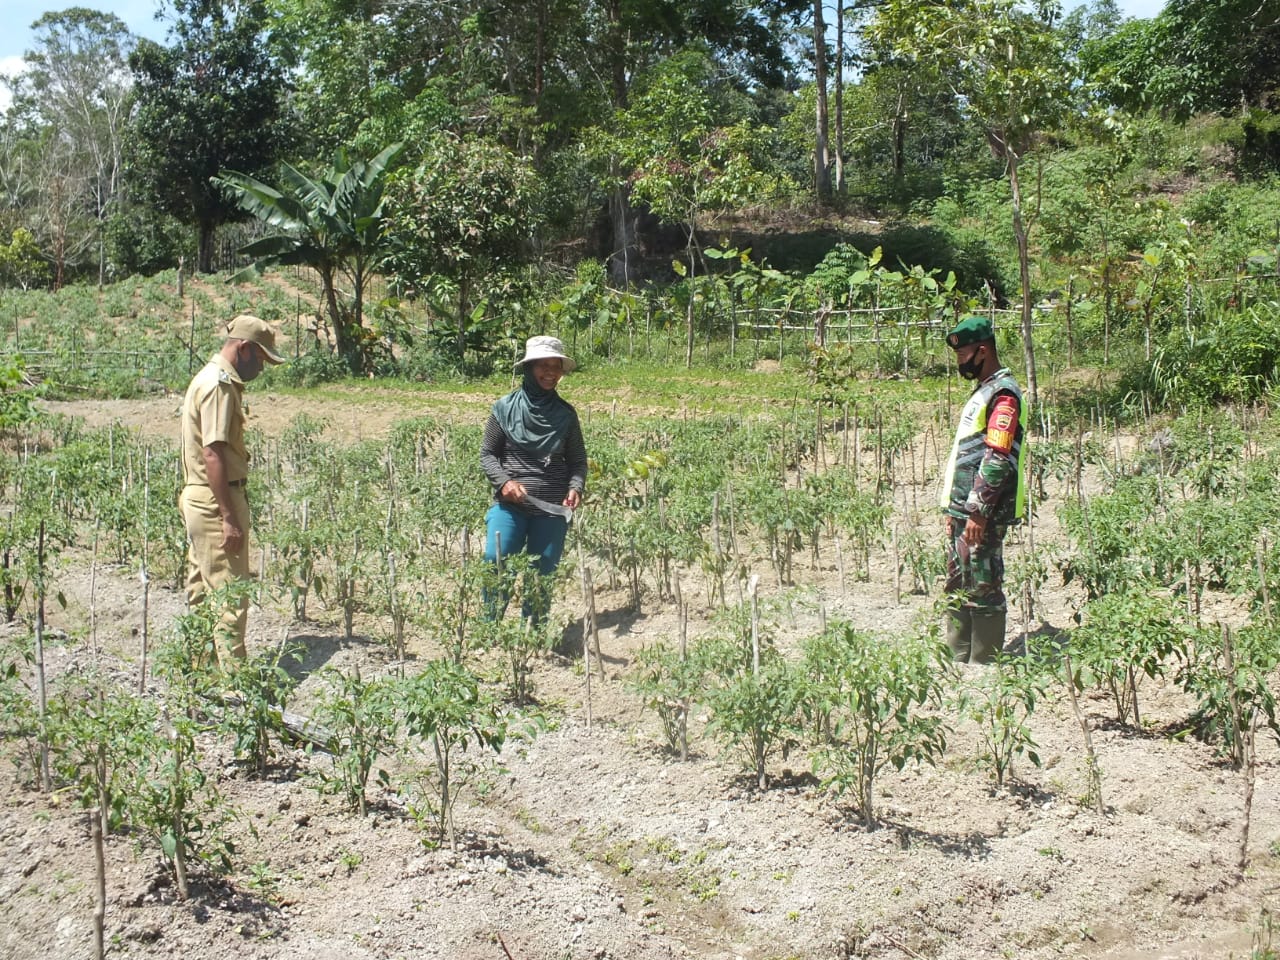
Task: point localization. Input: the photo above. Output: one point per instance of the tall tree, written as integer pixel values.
(72, 99)
(465, 214)
(1196, 55)
(213, 100)
(821, 141)
(1005, 62)
(685, 165)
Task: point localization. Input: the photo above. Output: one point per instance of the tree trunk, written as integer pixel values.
(621, 214)
(204, 248)
(1024, 275)
(464, 293)
(625, 249)
(821, 174)
(341, 341)
(899, 137)
(839, 154)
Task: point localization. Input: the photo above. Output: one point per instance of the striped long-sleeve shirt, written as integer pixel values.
(549, 478)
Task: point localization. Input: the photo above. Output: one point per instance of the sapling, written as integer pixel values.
(668, 681)
(1000, 701)
(446, 706)
(879, 690)
(361, 715)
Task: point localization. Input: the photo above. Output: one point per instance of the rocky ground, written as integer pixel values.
(590, 841)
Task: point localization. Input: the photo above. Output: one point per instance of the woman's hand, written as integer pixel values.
(573, 499)
(512, 491)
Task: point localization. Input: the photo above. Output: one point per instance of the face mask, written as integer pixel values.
(971, 368)
(249, 368)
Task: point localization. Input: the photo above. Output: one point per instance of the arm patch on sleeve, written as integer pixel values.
(1002, 424)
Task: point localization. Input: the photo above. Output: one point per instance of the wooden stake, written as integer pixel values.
(897, 567)
(99, 882)
(589, 595)
(1091, 758)
(682, 613)
(93, 587)
(143, 575)
(1262, 579)
(42, 691)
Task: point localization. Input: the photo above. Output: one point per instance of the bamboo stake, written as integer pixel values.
(143, 575)
(42, 691)
(844, 437)
(99, 883)
(1262, 579)
(1091, 758)
(1233, 697)
(589, 595)
(840, 565)
(682, 613)
(733, 541)
(1250, 775)
(897, 567)
(93, 587)
(752, 586)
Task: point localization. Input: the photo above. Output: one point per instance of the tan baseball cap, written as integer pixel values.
(256, 330)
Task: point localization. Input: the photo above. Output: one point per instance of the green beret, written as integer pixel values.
(972, 329)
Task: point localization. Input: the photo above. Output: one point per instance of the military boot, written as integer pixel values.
(988, 635)
(959, 629)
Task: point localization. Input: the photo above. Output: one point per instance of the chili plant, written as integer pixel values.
(174, 802)
(668, 682)
(20, 722)
(361, 716)
(753, 712)
(1125, 636)
(446, 706)
(1000, 701)
(99, 731)
(1230, 674)
(259, 688)
(879, 689)
(534, 632)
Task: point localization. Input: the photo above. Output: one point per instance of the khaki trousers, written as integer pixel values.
(209, 566)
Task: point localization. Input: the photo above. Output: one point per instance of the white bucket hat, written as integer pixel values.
(542, 348)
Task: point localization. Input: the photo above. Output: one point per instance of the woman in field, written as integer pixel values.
(536, 462)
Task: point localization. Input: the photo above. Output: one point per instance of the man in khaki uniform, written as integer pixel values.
(215, 469)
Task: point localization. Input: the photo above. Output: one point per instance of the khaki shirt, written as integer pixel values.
(213, 410)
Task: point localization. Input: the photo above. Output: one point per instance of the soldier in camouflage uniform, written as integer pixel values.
(983, 493)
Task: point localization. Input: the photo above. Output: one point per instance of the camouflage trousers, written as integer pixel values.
(975, 576)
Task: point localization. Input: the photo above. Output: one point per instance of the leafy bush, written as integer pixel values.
(1127, 635)
(1233, 357)
(1229, 675)
(1001, 702)
(875, 690)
